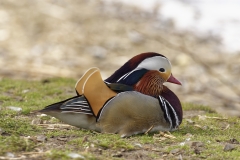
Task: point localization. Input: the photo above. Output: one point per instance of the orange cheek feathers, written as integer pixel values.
(165, 75)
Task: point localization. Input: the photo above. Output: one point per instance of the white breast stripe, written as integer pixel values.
(175, 114)
(168, 114)
(166, 111)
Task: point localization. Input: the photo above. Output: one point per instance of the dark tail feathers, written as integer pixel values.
(55, 106)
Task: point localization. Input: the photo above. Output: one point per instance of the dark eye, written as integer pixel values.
(162, 70)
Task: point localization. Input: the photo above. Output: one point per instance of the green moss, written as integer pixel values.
(15, 125)
(64, 155)
(58, 154)
(104, 141)
(146, 139)
(15, 144)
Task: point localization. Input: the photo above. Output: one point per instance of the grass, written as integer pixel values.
(202, 135)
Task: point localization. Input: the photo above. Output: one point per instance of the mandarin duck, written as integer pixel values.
(132, 100)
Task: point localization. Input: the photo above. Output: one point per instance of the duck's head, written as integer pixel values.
(133, 70)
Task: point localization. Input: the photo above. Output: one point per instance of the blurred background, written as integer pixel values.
(63, 38)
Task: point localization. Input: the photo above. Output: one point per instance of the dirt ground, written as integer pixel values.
(57, 38)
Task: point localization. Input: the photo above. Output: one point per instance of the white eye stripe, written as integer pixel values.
(152, 63)
(155, 63)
